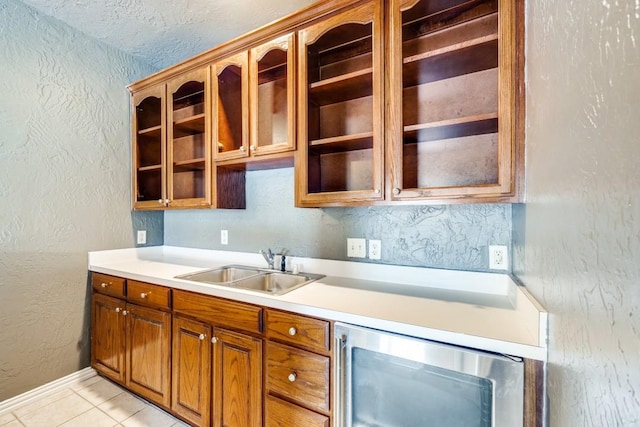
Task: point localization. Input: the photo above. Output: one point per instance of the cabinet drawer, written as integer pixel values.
(301, 331)
(109, 285)
(284, 414)
(149, 295)
(298, 375)
(218, 311)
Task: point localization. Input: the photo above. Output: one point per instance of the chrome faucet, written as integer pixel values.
(268, 256)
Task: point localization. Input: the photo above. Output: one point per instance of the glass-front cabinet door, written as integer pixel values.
(451, 86)
(272, 96)
(189, 153)
(230, 78)
(148, 150)
(340, 153)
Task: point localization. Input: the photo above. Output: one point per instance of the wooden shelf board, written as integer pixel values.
(342, 88)
(188, 126)
(453, 128)
(342, 143)
(151, 131)
(149, 168)
(189, 165)
(462, 58)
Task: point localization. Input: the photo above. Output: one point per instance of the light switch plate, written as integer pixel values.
(357, 248)
(142, 237)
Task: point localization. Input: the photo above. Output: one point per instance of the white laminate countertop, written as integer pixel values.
(486, 311)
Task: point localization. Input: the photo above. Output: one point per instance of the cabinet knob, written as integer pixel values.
(292, 377)
(252, 147)
(214, 340)
(202, 337)
(161, 201)
(124, 312)
(396, 191)
(118, 309)
(104, 285)
(292, 331)
(242, 148)
(377, 191)
(143, 295)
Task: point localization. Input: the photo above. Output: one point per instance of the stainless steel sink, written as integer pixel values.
(253, 279)
(226, 274)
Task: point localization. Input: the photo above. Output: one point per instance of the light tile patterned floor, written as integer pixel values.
(94, 402)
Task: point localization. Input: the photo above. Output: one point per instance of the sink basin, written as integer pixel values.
(253, 279)
(273, 283)
(226, 274)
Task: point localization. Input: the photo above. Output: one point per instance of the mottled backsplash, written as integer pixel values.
(448, 236)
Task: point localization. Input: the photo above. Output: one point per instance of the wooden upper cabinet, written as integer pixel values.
(148, 124)
(189, 153)
(340, 107)
(230, 89)
(451, 100)
(171, 143)
(272, 96)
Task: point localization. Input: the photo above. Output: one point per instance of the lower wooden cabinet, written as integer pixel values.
(191, 388)
(132, 345)
(108, 336)
(280, 413)
(237, 379)
(217, 375)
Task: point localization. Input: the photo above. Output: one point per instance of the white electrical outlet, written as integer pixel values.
(224, 237)
(375, 249)
(142, 237)
(498, 258)
(357, 248)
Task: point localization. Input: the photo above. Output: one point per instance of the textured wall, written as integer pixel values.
(577, 239)
(453, 236)
(64, 186)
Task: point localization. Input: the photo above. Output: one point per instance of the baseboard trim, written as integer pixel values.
(46, 389)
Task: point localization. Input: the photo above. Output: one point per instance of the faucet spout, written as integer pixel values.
(268, 256)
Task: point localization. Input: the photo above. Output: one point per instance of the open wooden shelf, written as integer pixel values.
(462, 58)
(454, 128)
(342, 143)
(189, 165)
(149, 168)
(151, 132)
(188, 126)
(356, 84)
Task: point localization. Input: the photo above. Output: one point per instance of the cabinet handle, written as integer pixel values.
(202, 337)
(396, 191)
(143, 295)
(292, 376)
(104, 285)
(293, 331)
(214, 340)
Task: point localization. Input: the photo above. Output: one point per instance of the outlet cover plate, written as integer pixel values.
(375, 249)
(498, 257)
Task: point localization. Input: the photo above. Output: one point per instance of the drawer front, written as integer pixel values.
(298, 375)
(219, 311)
(108, 285)
(280, 413)
(148, 295)
(301, 331)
